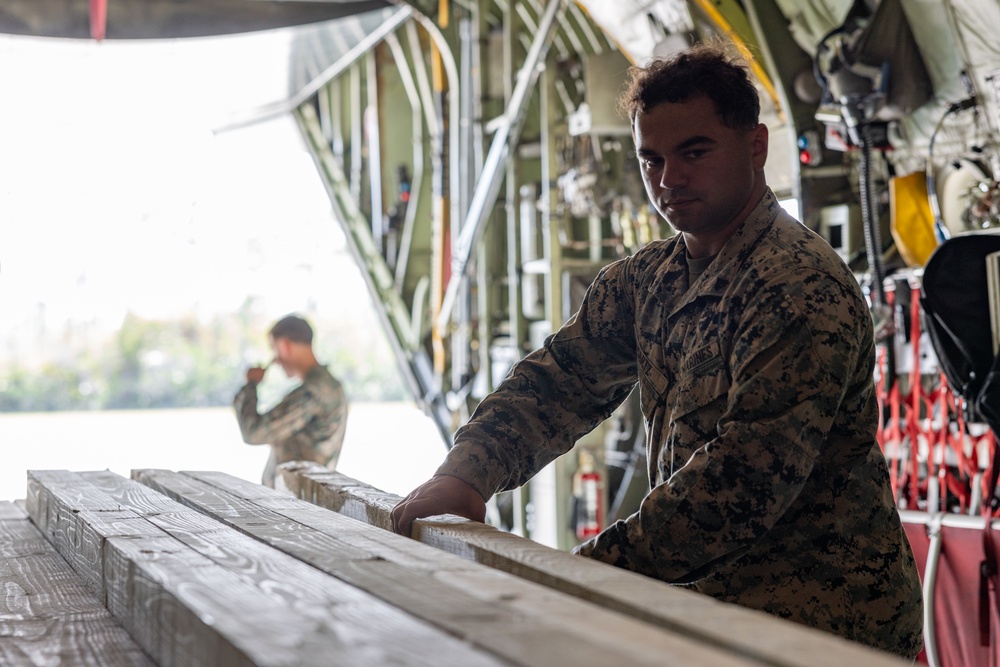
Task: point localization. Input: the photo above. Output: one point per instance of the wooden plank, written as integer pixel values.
(339, 493)
(80, 525)
(11, 511)
(47, 614)
(744, 631)
(516, 619)
(193, 592)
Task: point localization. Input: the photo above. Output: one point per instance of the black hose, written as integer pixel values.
(869, 217)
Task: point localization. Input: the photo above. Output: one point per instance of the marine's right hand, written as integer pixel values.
(441, 494)
(255, 375)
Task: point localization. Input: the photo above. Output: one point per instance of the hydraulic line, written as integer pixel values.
(869, 217)
(881, 310)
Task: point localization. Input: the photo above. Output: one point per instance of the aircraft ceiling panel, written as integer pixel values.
(953, 42)
(642, 28)
(809, 21)
(977, 24)
(928, 20)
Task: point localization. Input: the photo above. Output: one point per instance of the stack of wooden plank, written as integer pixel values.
(48, 616)
(201, 568)
(742, 631)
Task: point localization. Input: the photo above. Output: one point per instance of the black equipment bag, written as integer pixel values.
(955, 300)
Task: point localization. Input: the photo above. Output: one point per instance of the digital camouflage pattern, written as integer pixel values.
(307, 425)
(756, 384)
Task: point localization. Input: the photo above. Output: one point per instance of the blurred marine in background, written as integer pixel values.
(309, 423)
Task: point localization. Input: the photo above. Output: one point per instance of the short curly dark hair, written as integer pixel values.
(293, 328)
(703, 69)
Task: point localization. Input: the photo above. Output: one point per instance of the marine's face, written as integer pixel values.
(699, 174)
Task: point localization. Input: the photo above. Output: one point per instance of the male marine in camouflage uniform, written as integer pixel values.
(753, 350)
(309, 423)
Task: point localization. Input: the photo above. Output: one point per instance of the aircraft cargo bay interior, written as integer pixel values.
(567, 332)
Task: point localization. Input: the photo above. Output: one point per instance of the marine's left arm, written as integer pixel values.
(794, 355)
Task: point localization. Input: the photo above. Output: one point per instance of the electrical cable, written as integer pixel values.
(940, 230)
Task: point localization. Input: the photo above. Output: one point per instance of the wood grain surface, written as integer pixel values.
(194, 592)
(754, 634)
(517, 620)
(48, 616)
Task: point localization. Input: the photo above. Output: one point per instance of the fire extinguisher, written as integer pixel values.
(587, 490)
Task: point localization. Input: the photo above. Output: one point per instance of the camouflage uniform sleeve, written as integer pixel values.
(796, 351)
(554, 395)
(280, 423)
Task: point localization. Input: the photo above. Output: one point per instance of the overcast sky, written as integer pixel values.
(116, 193)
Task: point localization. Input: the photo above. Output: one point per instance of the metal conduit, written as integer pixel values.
(416, 180)
(498, 157)
(354, 80)
(451, 71)
(370, 117)
(390, 308)
(930, 582)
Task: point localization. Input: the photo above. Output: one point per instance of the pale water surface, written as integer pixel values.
(392, 446)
